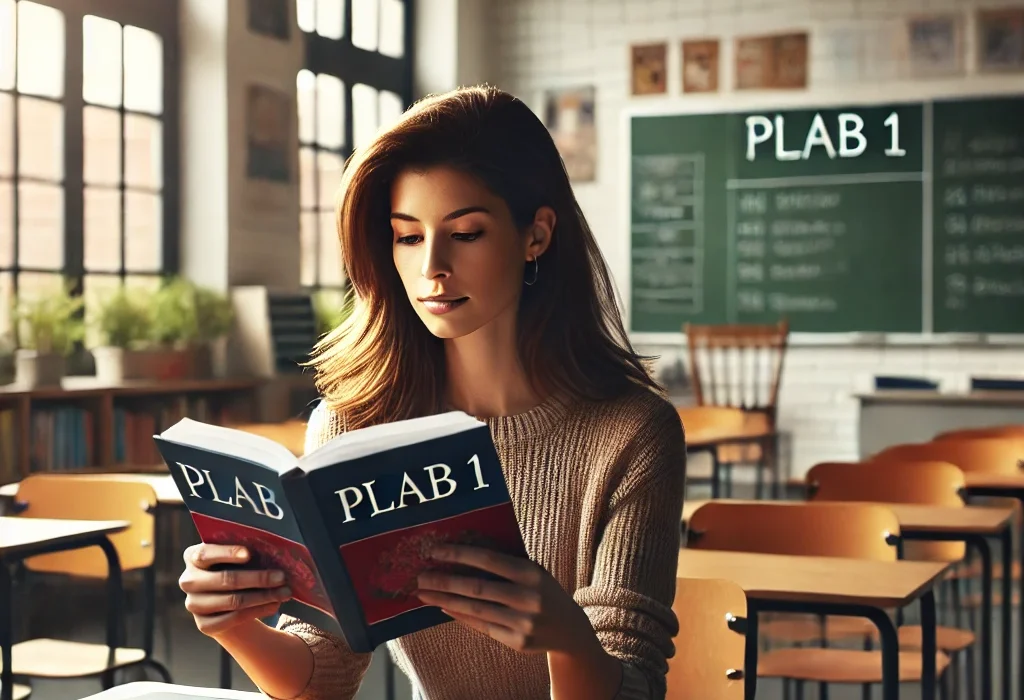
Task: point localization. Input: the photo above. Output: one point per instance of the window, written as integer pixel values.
(87, 145)
(357, 79)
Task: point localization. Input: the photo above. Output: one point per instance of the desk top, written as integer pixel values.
(981, 480)
(18, 535)
(919, 396)
(973, 520)
(167, 493)
(879, 584)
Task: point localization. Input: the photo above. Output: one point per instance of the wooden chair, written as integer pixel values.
(924, 483)
(709, 657)
(851, 530)
(740, 366)
(701, 421)
(90, 498)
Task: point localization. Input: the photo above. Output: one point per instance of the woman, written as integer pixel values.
(482, 289)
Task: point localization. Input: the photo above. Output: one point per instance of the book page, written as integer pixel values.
(151, 690)
(215, 438)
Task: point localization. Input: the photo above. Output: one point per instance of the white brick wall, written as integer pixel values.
(545, 43)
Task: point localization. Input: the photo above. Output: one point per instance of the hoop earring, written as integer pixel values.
(536, 271)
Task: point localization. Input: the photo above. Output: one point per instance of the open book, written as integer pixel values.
(352, 523)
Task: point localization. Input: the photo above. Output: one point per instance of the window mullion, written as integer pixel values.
(73, 152)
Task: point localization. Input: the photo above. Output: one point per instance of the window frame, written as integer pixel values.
(162, 19)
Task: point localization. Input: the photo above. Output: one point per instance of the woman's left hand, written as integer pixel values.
(530, 613)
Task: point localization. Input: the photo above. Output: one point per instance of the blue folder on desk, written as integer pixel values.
(919, 383)
(996, 384)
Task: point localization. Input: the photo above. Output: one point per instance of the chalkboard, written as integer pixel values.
(824, 216)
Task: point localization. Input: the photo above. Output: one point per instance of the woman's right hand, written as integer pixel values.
(223, 599)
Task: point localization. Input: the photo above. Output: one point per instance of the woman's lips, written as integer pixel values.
(442, 306)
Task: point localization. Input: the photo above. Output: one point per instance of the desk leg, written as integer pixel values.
(750, 653)
(6, 637)
(716, 474)
(1006, 631)
(928, 644)
(225, 668)
(115, 614)
(981, 544)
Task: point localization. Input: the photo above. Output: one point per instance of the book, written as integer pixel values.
(152, 690)
(351, 523)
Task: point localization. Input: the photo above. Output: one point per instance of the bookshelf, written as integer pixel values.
(87, 426)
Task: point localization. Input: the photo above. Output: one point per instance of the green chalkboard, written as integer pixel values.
(979, 216)
(828, 216)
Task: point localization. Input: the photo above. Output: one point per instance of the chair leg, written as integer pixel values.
(969, 672)
(865, 691)
(759, 476)
(799, 690)
(165, 675)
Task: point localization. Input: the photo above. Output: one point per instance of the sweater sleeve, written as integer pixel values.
(337, 670)
(629, 598)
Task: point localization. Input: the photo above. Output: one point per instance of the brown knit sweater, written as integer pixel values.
(598, 492)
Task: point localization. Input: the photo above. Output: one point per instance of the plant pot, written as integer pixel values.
(115, 365)
(109, 364)
(34, 370)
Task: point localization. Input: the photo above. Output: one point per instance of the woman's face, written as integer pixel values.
(459, 254)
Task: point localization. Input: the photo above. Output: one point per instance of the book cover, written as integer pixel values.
(353, 524)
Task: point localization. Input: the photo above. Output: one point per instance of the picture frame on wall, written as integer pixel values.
(700, 65)
(776, 61)
(569, 115)
(790, 61)
(649, 69)
(1000, 40)
(935, 45)
(268, 134)
(270, 18)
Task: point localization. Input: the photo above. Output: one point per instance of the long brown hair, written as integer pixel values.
(381, 364)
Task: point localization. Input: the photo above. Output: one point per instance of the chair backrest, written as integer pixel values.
(710, 646)
(738, 365)
(923, 483)
(65, 496)
(991, 455)
(1011, 431)
(851, 530)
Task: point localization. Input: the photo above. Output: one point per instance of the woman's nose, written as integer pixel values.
(435, 259)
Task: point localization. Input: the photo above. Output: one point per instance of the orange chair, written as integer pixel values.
(924, 483)
(710, 647)
(853, 530)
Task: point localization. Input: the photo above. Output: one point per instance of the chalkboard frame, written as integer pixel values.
(926, 93)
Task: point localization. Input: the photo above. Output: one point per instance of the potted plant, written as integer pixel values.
(47, 327)
(214, 315)
(124, 321)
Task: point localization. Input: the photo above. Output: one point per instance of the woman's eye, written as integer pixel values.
(471, 236)
(408, 240)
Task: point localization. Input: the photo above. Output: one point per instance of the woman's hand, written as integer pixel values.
(223, 599)
(530, 613)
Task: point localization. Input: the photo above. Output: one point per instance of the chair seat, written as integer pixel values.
(948, 639)
(59, 658)
(841, 665)
(802, 629)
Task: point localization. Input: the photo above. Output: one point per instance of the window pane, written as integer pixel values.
(306, 13)
(365, 20)
(143, 227)
(391, 108)
(307, 243)
(8, 43)
(102, 229)
(330, 166)
(101, 147)
(330, 111)
(149, 283)
(6, 134)
(96, 289)
(101, 61)
(364, 114)
(32, 285)
(40, 139)
(307, 178)
(143, 152)
(392, 28)
(143, 70)
(305, 85)
(330, 251)
(6, 224)
(6, 297)
(40, 50)
(330, 18)
(40, 225)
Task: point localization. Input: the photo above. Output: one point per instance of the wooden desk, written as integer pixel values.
(167, 493)
(21, 538)
(897, 416)
(829, 586)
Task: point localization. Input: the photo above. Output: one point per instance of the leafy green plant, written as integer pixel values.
(50, 323)
(214, 314)
(124, 319)
(331, 309)
(174, 313)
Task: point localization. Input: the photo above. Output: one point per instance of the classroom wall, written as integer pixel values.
(538, 44)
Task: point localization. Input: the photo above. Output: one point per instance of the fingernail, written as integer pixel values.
(285, 592)
(277, 578)
(241, 554)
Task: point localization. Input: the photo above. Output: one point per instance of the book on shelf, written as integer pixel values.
(351, 523)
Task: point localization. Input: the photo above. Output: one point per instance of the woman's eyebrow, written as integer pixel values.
(448, 217)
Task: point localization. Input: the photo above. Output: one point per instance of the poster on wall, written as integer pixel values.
(649, 66)
(700, 65)
(790, 61)
(268, 134)
(772, 62)
(270, 18)
(1000, 40)
(569, 116)
(935, 46)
